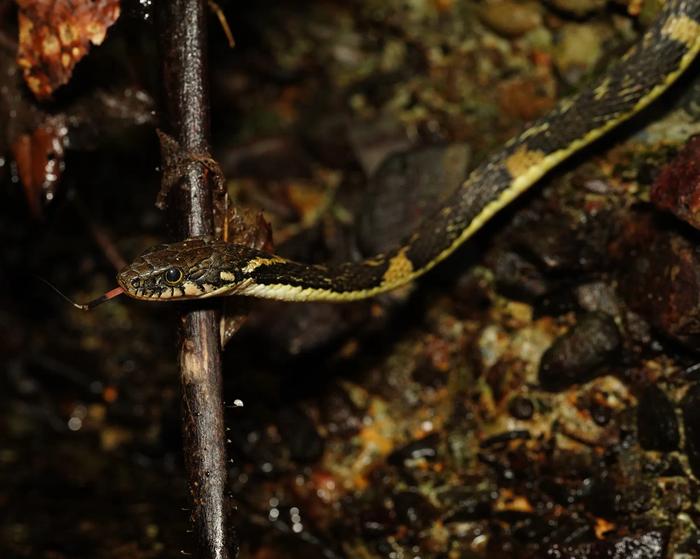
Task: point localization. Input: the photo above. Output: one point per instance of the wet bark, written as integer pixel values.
(183, 36)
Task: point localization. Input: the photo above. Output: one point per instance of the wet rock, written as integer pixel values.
(691, 424)
(564, 242)
(657, 425)
(374, 142)
(579, 354)
(637, 329)
(552, 244)
(521, 407)
(598, 296)
(578, 8)
(518, 277)
(579, 50)
(649, 545)
(659, 278)
(472, 294)
(677, 188)
(425, 448)
(406, 189)
(511, 19)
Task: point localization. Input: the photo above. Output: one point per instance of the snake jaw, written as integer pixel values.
(135, 284)
(207, 268)
(150, 285)
(144, 278)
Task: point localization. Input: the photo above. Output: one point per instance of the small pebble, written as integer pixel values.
(521, 407)
(597, 296)
(580, 353)
(511, 19)
(517, 277)
(578, 8)
(425, 448)
(578, 51)
(648, 545)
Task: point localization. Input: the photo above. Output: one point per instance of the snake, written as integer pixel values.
(204, 267)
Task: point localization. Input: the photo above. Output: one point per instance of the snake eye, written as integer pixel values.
(173, 276)
(135, 283)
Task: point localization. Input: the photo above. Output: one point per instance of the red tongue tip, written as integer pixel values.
(101, 299)
(113, 293)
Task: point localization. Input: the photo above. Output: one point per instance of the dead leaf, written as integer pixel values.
(249, 228)
(55, 34)
(39, 158)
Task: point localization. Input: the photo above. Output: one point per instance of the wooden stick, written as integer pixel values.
(183, 37)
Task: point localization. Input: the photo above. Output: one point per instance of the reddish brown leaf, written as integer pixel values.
(55, 34)
(249, 228)
(39, 158)
(677, 188)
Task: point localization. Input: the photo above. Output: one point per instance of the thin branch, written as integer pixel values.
(182, 27)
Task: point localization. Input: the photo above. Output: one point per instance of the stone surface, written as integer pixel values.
(659, 278)
(511, 19)
(677, 188)
(579, 354)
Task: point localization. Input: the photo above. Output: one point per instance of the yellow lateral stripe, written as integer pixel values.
(526, 167)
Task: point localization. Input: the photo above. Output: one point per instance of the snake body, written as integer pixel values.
(200, 267)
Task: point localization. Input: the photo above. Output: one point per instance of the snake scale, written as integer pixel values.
(200, 267)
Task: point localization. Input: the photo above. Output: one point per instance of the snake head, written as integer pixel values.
(190, 269)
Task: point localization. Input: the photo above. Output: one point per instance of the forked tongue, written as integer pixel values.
(98, 301)
(90, 304)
